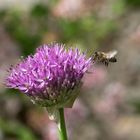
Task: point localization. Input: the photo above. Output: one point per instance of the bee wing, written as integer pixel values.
(111, 54)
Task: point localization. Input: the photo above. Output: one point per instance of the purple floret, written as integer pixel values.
(50, 72)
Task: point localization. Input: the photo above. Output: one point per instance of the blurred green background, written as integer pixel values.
(108, 107)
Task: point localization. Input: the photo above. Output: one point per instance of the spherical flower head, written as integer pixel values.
(50, 77)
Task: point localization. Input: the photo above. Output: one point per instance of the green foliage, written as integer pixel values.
(20, 31)
(136, 104)
(27, 30)
(39, 11)
(135, 3)
(68, 29)
(118, 7)
(16, 130)
(87, 30)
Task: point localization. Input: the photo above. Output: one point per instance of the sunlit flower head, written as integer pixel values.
(51, 76)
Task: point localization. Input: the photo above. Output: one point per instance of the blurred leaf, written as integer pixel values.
(88, 23)
(135, 3)
(2, 13)
(39, 11)
(136, 104)
(69, 29)
(103, 28)
(118, 7)
(17, 130)
(20, 31)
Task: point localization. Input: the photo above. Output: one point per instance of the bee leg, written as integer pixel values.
(113, 59)
(106, 62)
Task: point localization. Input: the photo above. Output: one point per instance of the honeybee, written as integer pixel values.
(105, 58)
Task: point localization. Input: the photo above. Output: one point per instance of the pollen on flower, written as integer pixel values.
(51, 76)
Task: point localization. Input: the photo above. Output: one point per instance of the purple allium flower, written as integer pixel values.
(51, 76)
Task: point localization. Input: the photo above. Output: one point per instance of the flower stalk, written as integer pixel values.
(61, 125)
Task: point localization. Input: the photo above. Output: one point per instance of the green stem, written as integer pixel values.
(61, 125)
